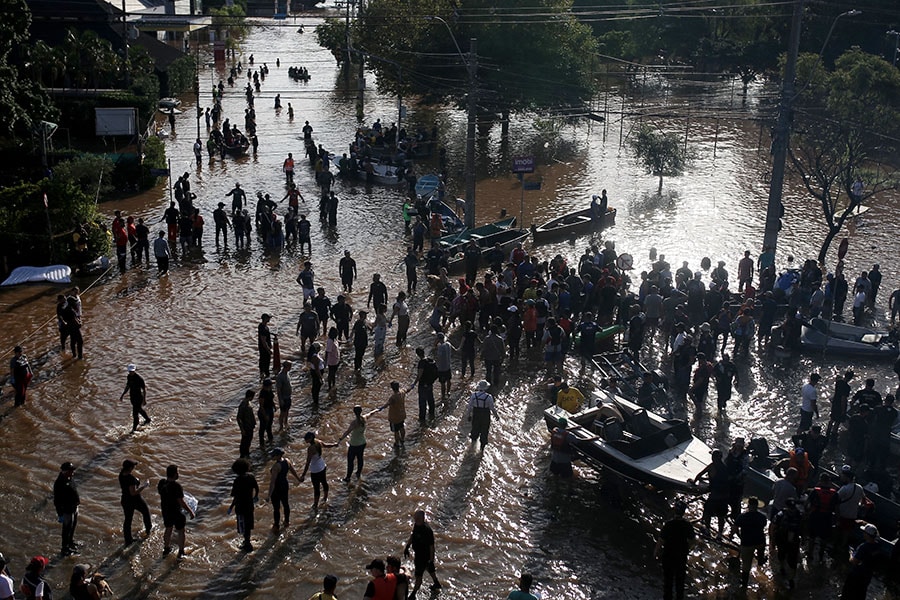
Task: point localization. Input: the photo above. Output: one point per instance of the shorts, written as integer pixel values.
(307, 335)
(308, 293)
(397, 426)
(422, 566)
(245, 522)
(444, 376)
(178, 520)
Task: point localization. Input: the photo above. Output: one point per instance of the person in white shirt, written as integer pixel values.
(7, 585)
(808, 404)
(859, 305)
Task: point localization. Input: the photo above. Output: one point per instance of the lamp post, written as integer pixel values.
(896, 35)
(782, 133)
(471, 105)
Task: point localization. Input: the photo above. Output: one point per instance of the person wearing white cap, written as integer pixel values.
(862, 565)
(481, 407)
(137, 392)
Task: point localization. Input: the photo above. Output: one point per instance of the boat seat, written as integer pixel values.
(610, 429)
(639, 423)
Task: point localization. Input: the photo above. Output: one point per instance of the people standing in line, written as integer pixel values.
(347, 271)
(426, 375)
(672, 547)
(72, 318)
(284, 391)
(132, 499)
(66, 501)
(383, 586)
(377, 293)
(33, 583)
(396, 406)
(279, 486)
(246, 423)
(442, 360)
(332, 356)
(136, 389)
(401, 311)
(839, 402)
(479, 411)
(808, 404)
(751, 526)
(321, 303)
(357, 442)
(785, 532)
(379, 334)
(20, 375)
(244, 494)
(422, 543)
(7, 585)
(726, 375)
(221, 221)
(360, 336)
(316, 368)
(342, 313)
(862, 565)
(493, 349)
(266, 412)
(162, 253)
(172, 503)
(526, 580)
(316, 467)
(264, 342)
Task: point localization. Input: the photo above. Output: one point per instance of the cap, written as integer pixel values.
(67, 466)
(221, 204)
(276, 452)
(562, 422)
(266, 316)
(705, 327)
(482, 386)
(129, 464)
(870, 529)
(43, 561)
(131, 368)
(846, 469)
(513, 308)
(376, 564)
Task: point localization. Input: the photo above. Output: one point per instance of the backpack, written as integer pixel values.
(429, 372)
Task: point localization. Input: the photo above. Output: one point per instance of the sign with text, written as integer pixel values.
(523, 164)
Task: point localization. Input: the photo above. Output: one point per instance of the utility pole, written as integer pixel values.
(125, 46)
(347, 44)
(782, 133)
(361, 81)
(472, 106)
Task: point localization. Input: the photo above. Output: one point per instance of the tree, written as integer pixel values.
(527, 58)
(845, 125)
(22, 101)
(661, 154)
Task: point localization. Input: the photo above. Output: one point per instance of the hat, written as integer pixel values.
(799, 450)
(482, 386)
(376, 564)
(309, 435)
(870, 529)
(221, 204)
(276, 452)
(67, 466)
(129, 464)
(513, 308)
(704, 327)
(43, 561)
(131, 368)
(562, 422)
(846, 470)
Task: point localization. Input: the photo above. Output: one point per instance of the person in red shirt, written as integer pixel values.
(382, 586)
(196, 228)
(120, 238)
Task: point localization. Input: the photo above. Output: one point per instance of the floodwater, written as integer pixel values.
(192, 336)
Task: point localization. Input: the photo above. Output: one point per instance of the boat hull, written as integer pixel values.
(573, 224)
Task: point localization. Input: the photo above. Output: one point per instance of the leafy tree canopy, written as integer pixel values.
(537, 56)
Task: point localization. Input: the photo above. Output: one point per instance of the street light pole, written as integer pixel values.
(781, 137)
(471, 112)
